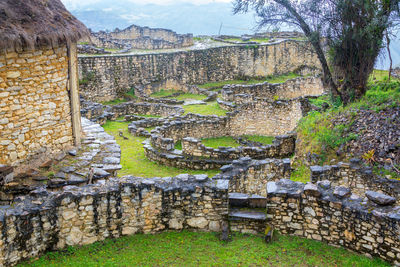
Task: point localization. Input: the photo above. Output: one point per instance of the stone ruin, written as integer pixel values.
(134, 37)
(342, 205)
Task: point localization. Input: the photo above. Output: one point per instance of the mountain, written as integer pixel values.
(182, 17)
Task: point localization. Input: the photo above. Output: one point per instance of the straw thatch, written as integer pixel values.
(32, 24)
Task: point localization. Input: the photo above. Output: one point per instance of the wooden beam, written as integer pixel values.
(74, 93)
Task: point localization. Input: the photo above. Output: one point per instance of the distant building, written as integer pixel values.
(39, 102)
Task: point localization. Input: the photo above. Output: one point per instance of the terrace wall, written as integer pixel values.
(107, 77)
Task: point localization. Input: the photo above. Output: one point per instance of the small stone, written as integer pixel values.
(341, 192)
(325, 184)
(72, 152)
(311, 190)
(379, 198)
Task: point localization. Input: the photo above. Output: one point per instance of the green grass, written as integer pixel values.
(211, 108)
(164, 93)
(258, 40)
(190, 96)
(133, 160)
(266, 140)
(301, 173)
(270, 79)
(114, 102)
(228, 141)
(216, 142)
(380, 76)
(204, 249)
(281, 78)
(148, 116)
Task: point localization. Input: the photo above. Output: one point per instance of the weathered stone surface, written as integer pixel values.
(197, 222)
(312, 190)
(341, 192)
(379, 198)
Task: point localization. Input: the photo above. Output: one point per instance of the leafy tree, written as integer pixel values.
(347, 35)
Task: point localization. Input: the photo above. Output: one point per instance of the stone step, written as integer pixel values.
(247, 215)
(238, 200)
(241, 200)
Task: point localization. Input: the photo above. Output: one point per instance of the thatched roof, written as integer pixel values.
(31, 24)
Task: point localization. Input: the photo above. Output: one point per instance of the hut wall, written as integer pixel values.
(34, 104)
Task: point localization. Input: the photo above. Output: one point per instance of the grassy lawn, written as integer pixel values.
(133, 160)
(204, 249)
(228, 141)
(164, 93)
(216, 142)
(260, 40)
(211, 108)
(266, 140)
(190, 96)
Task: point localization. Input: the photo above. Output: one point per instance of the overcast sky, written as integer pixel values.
(73, 3)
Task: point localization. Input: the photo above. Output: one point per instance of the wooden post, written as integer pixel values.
(74, 93)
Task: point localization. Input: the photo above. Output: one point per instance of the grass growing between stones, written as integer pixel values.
(270, 79)
(211, 108)
(204, 249)
(133, 160)
(114, 102)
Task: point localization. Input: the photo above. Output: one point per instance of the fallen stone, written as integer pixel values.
(379, 198)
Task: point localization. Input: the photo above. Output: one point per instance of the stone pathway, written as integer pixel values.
(98, 158)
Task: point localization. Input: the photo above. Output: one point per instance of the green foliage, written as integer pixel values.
(87, 78)
(130, 94)
(204, 249)
(211, 108)
(133, 160)
(301, 173)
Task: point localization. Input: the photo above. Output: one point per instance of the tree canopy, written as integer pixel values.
(347, 35)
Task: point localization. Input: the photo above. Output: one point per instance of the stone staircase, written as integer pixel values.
(247, 213)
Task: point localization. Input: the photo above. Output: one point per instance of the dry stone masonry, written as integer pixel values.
(136, 37)
(35, 114)
(108, 77)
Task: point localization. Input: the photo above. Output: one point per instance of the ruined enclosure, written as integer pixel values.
(78, 198)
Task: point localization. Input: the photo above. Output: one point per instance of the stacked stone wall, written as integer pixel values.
(356, 176)
(80, 216)
(294, 88)
(268, 118)
(283, 146)
(34, 104)
(141, 38)
(109, 76)
(322, 213)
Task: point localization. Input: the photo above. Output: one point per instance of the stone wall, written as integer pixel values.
(334, 216)
(310, 86)
(249, 176)
(140, 38)
(356, 176)
(124, 206)
(283, 146)
(106, 77)
(34, 104)
(269, 118)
